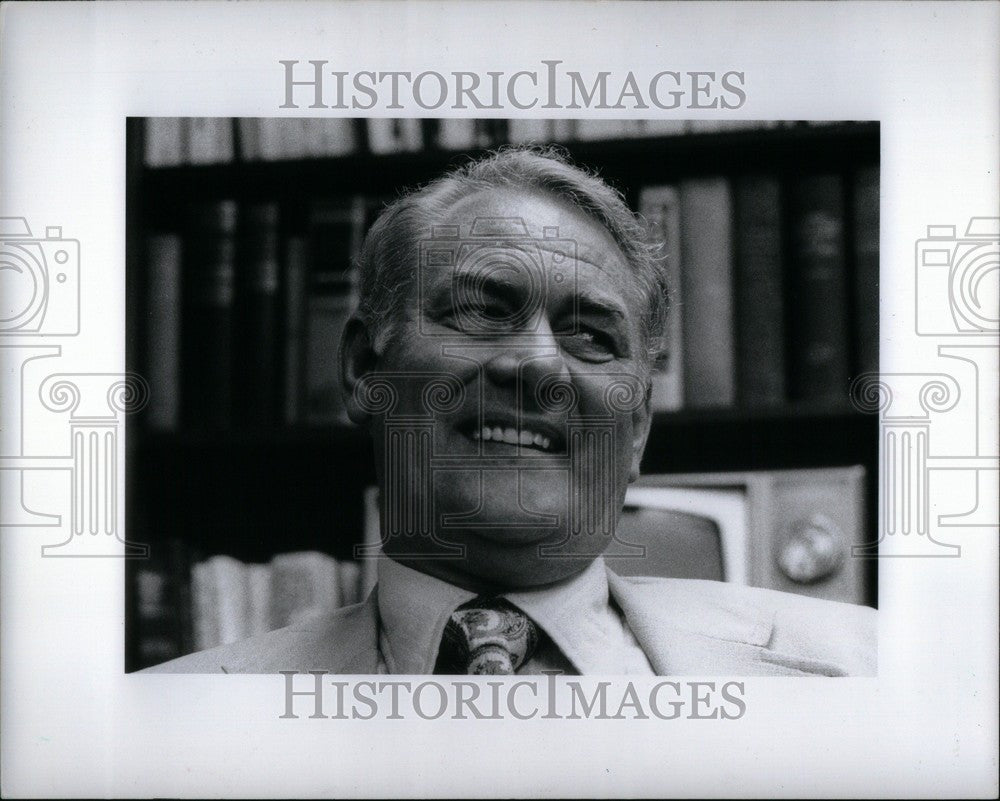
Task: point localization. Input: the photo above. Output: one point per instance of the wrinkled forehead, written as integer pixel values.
(545, 222)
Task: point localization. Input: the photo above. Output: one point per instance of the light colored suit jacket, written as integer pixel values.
(685, 627)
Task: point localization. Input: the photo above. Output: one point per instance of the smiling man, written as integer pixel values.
(500, 357)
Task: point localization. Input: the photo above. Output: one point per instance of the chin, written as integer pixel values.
(506, 568)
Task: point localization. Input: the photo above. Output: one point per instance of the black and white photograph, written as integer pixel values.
(565, 395)
(497, 399)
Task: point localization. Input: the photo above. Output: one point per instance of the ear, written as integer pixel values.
(357, 358)
(642, 419)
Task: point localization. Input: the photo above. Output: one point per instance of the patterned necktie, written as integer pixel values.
(486, 636)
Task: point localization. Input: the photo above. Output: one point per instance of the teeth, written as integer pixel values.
(511, 436)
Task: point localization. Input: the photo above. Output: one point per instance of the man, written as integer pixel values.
(500, 357)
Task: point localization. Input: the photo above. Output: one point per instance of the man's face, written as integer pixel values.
(521, 404)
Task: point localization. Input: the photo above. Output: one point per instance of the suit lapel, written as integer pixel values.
(685, 633)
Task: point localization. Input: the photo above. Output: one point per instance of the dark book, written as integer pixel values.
(335, 233)
(866, 269)
(163, 623)
(817, 296)
(760, 328)
(163, 345)
(207, 331)
(709, 349)
(294, 322)
(257, 336)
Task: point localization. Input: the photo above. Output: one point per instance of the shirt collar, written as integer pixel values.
(414, 609)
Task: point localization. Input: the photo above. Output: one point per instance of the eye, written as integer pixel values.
(588, 342)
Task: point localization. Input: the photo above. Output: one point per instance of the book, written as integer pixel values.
(163, 330)
(335, 233)
(395, 135)
(817, 296)
(248, 138)
(207, 325)
(455, 134)
(281, 138)
(257, 342)
(303, 583)
(866, 269)
(258, 598)
(165, 142)
(294, 300)
(209, 140)
(760, 326)
(328, 136)
(162, 605)
(660, 208)
(220, 598)
(708, 354)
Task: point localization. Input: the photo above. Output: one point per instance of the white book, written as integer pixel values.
(522, 130)
(259, 598)
(249, 138)
(210, 140)
(164, 145)
(394, 135)
(330, 136)
(456, 134)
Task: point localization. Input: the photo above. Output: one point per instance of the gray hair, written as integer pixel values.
(389, 255)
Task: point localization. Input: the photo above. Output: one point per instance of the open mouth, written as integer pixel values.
(523, 437)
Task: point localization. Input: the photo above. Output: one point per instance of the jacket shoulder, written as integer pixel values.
(343, 641)
(799, 632)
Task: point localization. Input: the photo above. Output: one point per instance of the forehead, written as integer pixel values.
(600, 262)
(540, 214)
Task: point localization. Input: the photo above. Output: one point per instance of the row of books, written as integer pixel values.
(173, 141)
(243, 324)
(774, 299)
(191, 607)
(775, 287)
(184, 602)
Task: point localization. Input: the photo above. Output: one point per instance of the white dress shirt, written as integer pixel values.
(582, 632)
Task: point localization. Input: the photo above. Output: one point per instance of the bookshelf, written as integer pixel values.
(256, 489)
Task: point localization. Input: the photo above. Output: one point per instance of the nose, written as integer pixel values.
(527, 360)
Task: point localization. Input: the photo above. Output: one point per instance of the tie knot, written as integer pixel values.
(486, 636)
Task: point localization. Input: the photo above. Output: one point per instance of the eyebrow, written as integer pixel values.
(509, 289)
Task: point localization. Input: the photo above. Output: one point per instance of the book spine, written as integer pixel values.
(209, 267)
(660, 208)
(296, 270)
(818, 352)
(257, 345)
(209, 140)
(164, 146)
(760, 337)
(335, 233)
(163, 351)
(707, 288)
(866, 269)
(249, 138)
